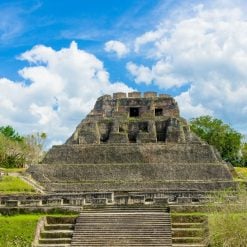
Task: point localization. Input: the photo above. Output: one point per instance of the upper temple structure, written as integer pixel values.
(132, 119)
(136, 144)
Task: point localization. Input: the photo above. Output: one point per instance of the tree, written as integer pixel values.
(224, 138)
(10, 133)
(12, 153)
(17, 150)
(36, 142)
(244, 154)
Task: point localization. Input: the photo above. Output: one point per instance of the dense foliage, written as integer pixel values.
(12, 153)
(11, 134)
(244, 154)
(224, 138)
(17, 150)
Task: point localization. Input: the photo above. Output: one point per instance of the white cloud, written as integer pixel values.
(205, 46)
(188, 109)
(58, 89)
(148, 37)
(116, 46)
(142, 74)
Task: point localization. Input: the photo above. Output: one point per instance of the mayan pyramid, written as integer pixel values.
(133, 143)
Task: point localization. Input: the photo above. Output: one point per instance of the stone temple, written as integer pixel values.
(129, 165)
(133, 149)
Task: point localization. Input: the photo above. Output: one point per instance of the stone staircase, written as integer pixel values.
(123, 226)
(189, 231)
(56, 232)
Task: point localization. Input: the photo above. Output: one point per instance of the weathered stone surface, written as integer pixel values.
(134, 143)
(134, 172)
(131, 153)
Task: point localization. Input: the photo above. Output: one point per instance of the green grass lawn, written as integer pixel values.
(17, 230)
(13, 185)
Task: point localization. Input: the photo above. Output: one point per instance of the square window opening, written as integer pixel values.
(132, 138)
(158, 111)
(134, 112)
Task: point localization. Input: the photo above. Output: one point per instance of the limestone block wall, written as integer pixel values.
(121, 102)
(158, 130)
(131, 153)
(157, 186)
(131, 172)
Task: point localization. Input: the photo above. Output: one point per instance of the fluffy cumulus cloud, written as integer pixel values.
(117, 47)
(142, 74)
(203, 46)
(58, 89)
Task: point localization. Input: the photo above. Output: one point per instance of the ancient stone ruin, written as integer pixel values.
(133, 148)
(129, 163)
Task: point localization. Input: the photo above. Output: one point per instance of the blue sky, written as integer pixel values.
(57, 57)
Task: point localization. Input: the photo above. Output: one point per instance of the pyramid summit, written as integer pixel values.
(137, 144)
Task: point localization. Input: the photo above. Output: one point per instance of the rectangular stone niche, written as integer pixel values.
(158, 111)
(134, 112)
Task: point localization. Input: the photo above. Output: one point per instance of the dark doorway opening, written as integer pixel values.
(132, 138)
(158, 111)
(104, 138)
(161, 131)
(121, 129)
(143, 126)
(161, 136)
(134, 112)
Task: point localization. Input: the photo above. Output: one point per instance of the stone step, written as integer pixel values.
(59, 227)
(187, 240)
(57, 231)
(149, 227)
(188, 232)
(120, 232)
(52, 245)
(116, 224)
(133, 214)
(54, 240)
(60, 220)
(56, 234)
(116, 244)
(188, 219)
(126, 217)
(120, 242)
(114, 235)
(189, 245)
(122, 238)
(187, 225)
(103, 210)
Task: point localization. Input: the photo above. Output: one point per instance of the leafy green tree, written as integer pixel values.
(12, 153)
(11, 133)
(224, 138)
(17, 151)
(244, 154)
